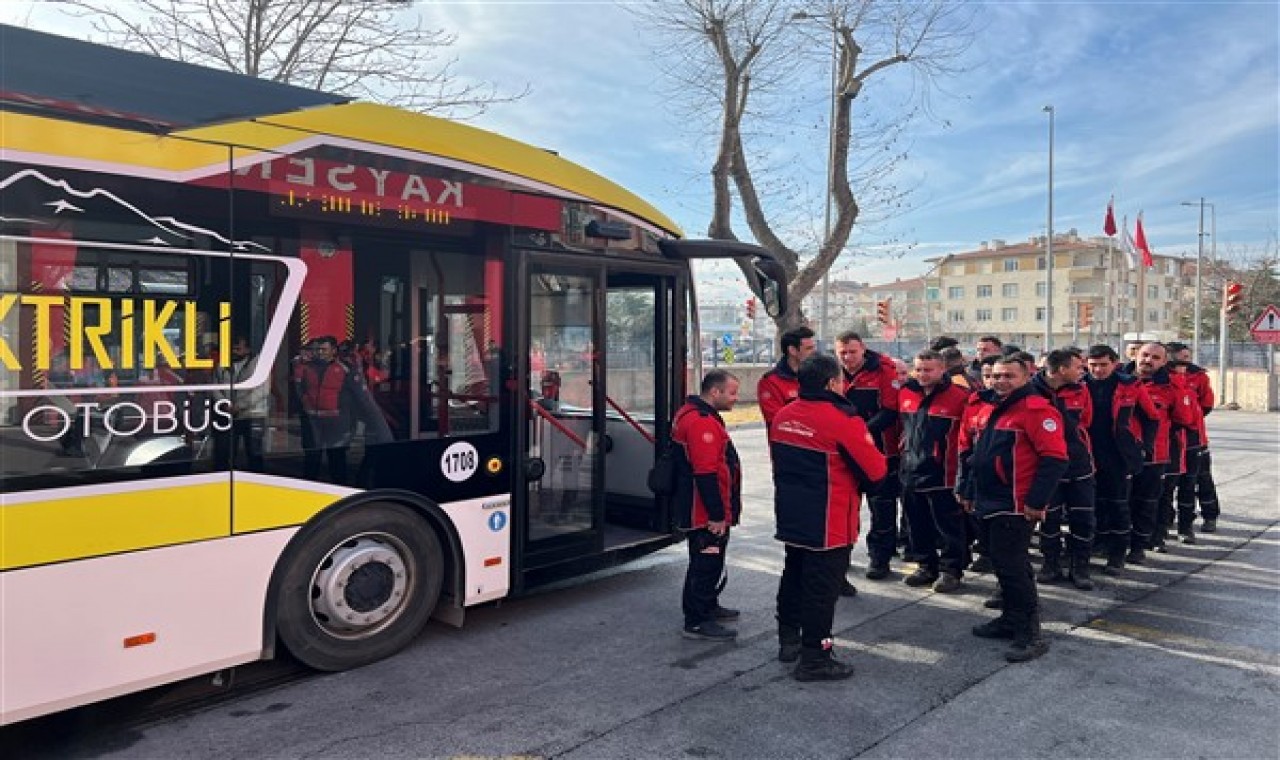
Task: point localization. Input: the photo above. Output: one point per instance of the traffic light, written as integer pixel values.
(1232, 298)
(882, 311)
(1086, 314)
(751, 309)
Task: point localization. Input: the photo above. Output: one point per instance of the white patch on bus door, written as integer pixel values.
(459, 461)
(1049, 425)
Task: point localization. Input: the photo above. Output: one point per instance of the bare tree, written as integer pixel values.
(738, 54)
(372, 49)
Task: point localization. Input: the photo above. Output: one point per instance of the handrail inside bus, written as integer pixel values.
(557, 424)
(631, 420)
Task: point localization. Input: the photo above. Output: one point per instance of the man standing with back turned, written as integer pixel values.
(823, 457)
(707, 500)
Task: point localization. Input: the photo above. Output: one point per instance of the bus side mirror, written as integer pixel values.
(770, 284)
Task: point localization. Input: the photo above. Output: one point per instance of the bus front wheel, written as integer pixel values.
(360, 587)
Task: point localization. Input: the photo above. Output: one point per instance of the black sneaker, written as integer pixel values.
(1136, 557)
(1051, 572)
(878, 571)
(947, 583)
(923, 576)
(994, 602)
(822, 666)
(725, 613)
(1024, 649)
(847, 588)
(994, 629)
(981, 564)
(709, 631)
(1209, 526)
(1188, 538)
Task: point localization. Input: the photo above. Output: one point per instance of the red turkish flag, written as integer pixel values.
(1109, 225)
(1143, 248)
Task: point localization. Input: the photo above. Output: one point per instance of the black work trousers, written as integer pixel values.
(702, 581)
(882, 538)
(808, 590)
(1111, 505)
(939, 538)
(1206, 489)
(1010, 547)
(1186, 496)
(1144, 499)
(1073, 505)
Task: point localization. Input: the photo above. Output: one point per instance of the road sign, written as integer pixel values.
(727, 339)
(1266, 328)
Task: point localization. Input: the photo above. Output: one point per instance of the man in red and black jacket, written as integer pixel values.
(707, 500)
(871, 385)
(1173, 414)
(823, 458)
(1073, 503)
(1008, 474)
(1196, 381)
(931, 407)
(779, 386)
(1123, 429)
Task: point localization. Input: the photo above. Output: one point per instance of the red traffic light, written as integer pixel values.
(882, 312)
(1232, 297)
(751, 308)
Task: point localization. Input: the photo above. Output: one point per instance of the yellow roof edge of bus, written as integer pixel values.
(394, 127)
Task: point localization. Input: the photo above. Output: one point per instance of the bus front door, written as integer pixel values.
(565, 415)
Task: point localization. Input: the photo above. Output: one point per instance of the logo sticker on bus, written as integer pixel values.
(459, 461)
(497, 521)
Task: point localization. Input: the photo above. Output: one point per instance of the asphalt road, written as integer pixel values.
(1177, 659)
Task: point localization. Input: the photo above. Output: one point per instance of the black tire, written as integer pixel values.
(359, 587)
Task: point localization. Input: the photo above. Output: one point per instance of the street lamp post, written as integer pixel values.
(1195, 327)
(1048, 247)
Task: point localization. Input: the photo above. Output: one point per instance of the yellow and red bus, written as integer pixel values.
(278, 368)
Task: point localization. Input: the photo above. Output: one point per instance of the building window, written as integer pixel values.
(1153, 291)
(984, 291)
(1009, 314)
(1153, 315)
(955, 316)
(1040, 263)
(1039, 313)
(1010, 265)
(984, 315)
(955, 292)
(1040, 289)
(932, 294)
(1009, 290)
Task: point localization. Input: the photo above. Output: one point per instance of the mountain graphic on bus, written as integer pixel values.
(99, 203)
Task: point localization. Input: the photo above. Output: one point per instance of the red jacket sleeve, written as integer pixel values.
(770, 398)
(858, 445)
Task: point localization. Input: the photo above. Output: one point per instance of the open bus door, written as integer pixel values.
(602, 385)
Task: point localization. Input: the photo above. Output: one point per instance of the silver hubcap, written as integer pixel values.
(361, 586)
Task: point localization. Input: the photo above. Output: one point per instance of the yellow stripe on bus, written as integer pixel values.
(262, 507)
(57, 530)
(60, 530)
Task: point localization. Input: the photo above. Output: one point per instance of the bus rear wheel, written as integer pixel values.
(360, 587)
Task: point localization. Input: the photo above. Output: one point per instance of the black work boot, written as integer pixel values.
(788, 643)
(821, 665)
(1050, 571)
(1028, 644)
(1115, 554)
(999, 628)
(1080, 571)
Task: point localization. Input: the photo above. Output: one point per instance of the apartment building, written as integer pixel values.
(1000, 289)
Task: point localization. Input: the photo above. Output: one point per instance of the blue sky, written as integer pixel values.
(1156, 103)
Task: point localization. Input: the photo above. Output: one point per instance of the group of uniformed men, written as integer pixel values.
(980, 454)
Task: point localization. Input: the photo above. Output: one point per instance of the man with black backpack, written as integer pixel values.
(707, 501)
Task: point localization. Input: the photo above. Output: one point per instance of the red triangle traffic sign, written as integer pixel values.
(1266, 328)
